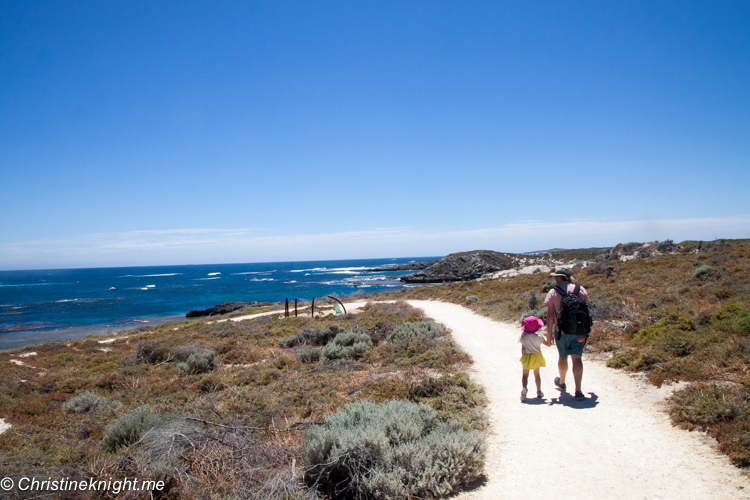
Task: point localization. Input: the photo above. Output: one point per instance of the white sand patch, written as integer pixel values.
(27, 354)
(18, 362)
(616, 444)
(3, 426)
(109, 341)
(536, 268)
(105, 349)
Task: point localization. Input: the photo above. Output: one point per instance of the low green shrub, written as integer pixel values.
(312, 336)
(702, 271)
(741, 324)
(183, 352)
(149, 352)
(197, 363)
(669, 323)
(309, 355)
(410, 332)
(540, 313)
(347, 345)
(455, 398)
(675, 344)
(394, 451)
(89, 401)
(471, 299)
(130, 427)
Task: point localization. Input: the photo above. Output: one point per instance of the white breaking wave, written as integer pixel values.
(202, 279)
(212, 274)
(315, 269)
(255, 272)
(262, 279)
(149, 275)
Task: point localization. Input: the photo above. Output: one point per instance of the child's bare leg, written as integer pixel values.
(538, 380)
(525, 377)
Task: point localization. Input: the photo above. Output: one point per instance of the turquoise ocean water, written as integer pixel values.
(47, 305)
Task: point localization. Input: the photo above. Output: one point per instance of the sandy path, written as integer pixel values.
(617, 444)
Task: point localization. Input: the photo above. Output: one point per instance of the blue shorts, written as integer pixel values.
(570, 344)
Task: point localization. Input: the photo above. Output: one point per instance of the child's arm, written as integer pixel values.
(547, 341)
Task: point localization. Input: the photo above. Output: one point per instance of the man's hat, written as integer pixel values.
(562, 272)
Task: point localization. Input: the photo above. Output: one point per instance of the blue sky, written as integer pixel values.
(206, 132)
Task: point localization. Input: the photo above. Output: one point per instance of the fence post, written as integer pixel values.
(312, 309)
(286, 308)
(295, 308)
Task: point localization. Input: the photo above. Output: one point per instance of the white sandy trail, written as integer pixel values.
(617, 444)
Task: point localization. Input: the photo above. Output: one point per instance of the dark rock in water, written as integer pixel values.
(223, 308)
(463, 266)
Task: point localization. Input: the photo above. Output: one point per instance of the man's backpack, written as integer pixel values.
(575, 317)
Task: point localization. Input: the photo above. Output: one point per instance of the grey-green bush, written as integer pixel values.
(130, 427)
(394, 451)
(540, 313)
(410, 332)
(472, 299)
(702, 271)
(312, 336)
(309, 355)
(197, 363)
(347, 345)
(89, 401)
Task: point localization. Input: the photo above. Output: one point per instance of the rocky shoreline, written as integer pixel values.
(223, 308)
(463, 266)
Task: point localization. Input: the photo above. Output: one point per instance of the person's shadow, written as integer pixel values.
(567, 399)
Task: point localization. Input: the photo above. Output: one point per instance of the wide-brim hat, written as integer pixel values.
(532, 324)
(562, 272)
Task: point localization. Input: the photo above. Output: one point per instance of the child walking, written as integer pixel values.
(531, 354)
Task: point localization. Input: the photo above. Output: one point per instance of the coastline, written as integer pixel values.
(22, 338)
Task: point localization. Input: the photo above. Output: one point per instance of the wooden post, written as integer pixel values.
(312, 308)
(286, 308)
(295, 308)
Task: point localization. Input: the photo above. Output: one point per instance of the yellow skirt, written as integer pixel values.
(532, 361)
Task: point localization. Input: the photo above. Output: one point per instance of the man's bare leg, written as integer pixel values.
(577, 370)
(562, 367)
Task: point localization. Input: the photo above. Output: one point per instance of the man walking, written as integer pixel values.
(571, 342)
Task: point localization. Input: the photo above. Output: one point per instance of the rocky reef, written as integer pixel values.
(223, 308)
(463, 266)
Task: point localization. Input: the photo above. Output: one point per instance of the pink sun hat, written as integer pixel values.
(532, 324)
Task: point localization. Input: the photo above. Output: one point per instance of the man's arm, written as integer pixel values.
(551, 318)
(550, 324)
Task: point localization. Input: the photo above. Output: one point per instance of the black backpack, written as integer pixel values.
(575, 318)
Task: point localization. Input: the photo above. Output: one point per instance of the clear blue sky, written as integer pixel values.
(296, 127)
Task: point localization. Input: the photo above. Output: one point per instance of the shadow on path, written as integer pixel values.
(567, 399)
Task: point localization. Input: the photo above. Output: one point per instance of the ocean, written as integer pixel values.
(48, 305)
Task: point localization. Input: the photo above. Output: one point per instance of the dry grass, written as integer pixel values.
(258, 398)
